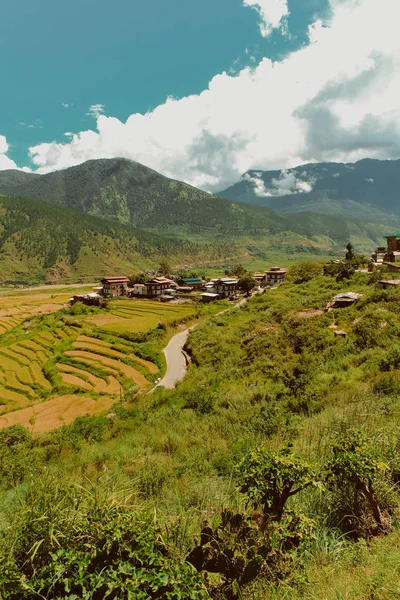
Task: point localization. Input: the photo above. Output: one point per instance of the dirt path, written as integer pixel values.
(176, 361)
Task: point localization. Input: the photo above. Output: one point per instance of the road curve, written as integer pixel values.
(176, 361)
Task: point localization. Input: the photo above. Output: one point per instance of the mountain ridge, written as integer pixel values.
(368, 189)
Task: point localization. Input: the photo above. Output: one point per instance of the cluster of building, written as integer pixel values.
(166, 289)
(390, 253)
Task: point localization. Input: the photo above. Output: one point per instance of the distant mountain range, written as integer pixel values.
(117, 215)
(368, 189)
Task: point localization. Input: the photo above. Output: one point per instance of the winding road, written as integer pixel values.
(175, 357)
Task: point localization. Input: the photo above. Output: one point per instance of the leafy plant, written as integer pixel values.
(355, 464)
(269, 479)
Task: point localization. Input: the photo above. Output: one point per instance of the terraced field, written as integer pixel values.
(56, 367)
(137, 315)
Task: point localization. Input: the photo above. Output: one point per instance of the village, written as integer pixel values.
(167, 289)
(177, 288)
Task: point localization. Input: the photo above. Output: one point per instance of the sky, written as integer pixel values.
(199, 91)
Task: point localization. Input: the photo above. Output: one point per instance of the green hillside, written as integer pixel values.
(131, 193)
(43, 242)
(135, 195)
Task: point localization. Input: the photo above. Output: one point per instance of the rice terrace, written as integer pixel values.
(58, 363)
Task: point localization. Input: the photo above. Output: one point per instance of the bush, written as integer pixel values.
(70, 543)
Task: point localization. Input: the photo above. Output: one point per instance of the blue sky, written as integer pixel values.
(256, 84)
(129, 56)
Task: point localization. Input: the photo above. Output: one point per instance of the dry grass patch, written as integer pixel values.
(56, 412)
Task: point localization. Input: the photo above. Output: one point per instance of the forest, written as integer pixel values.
(272, 471)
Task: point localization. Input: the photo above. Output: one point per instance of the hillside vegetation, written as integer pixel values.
(131, 193)
(367, 190)
(270, 472)
(194, 226)
(40, 242)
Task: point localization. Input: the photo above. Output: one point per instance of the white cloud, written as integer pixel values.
(95, 110)
(370, 180)
(336, 175)
(335, 99)
(273, 14)
(5, 162)
(285, 185)
(65, 105)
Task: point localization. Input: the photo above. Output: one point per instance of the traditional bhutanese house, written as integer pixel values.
(226, 287)
(343, 300)
(379, 255)
(384, 285)
(115, 286)
(193, 282)
(209, 297)
(259, 278)
(275, 275)
(158, 286)
(393, 248)
(93, 299)
(138, 289)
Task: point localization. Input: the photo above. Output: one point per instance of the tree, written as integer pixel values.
(164, 268)
(355, 463)
(246, 284)
(239, 271)
(349, 251)
(269, 479)
(304, 271)
(138, 278)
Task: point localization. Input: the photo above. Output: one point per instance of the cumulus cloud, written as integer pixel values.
(5, 162)
(273, 14)
(286, 184)
(334, 99)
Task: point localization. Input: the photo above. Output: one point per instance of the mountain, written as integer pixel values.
(131, 195)
(40, 242)
(368, 189)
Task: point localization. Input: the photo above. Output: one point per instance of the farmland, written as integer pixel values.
(59, 363)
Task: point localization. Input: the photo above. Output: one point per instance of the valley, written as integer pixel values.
(264, 462)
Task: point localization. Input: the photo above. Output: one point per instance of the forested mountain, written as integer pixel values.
(133, 194)
(368, 189)
(43, 242)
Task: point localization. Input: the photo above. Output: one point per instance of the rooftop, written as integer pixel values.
(120, 279)
(158, 280)
(393, 235)
(192, 280)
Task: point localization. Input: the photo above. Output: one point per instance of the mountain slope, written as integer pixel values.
(43, 242)
(368, 189)
(129, 192)
(132, 194)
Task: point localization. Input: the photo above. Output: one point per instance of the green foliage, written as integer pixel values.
(246, 284)
(304, 271)
(74, 543)
(356, 468)
(269, 479)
